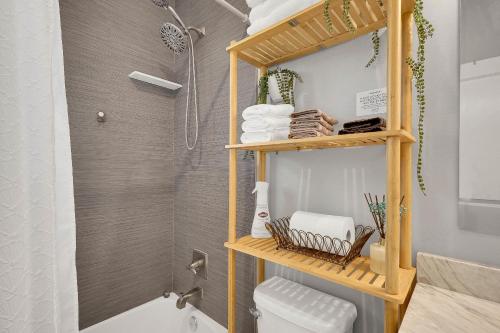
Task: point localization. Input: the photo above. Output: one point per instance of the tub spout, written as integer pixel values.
(193, 294)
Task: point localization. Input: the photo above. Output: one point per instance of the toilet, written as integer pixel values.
(287, 306)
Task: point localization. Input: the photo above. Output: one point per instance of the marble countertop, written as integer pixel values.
(434, 309)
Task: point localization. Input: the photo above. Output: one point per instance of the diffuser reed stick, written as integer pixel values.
(378, 211)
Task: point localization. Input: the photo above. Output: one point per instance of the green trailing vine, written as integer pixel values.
(375, 43)
(346, 18)
(376, 48)
(285, 79)
(326, 15)
(425, 30)
(263, 90)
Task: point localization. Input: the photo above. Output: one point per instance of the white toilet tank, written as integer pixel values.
(290, 307)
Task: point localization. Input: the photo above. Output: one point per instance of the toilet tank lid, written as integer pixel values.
(304, 306)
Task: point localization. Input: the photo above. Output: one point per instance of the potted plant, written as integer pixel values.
(279, 84)
(377, 250)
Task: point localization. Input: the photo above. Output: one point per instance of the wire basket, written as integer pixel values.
(334, 250)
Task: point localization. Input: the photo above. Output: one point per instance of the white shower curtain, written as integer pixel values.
(37, 222)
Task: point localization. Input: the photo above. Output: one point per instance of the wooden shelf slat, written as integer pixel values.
(324, 142)
(356, 275)
(301, 30)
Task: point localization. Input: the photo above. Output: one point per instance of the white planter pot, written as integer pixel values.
(274, 91)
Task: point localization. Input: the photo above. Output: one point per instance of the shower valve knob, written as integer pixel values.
(195, 266)
(198, 265)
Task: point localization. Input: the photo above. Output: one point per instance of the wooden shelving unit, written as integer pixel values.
(300, 35)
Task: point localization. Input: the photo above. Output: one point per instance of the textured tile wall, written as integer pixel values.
(131, 171)
(123, 168)
(201, 182)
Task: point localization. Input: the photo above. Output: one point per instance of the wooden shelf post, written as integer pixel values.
(406, 148)
(233, 183)
(261, 176)
(394, 64)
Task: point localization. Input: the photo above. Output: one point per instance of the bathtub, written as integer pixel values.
(159, 316)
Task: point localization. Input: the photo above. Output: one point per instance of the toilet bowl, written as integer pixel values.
(287, 306)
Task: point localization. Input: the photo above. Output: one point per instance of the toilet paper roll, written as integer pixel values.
(341, 227)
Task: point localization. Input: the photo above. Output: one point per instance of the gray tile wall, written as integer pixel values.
(201, 182)
(128, 178)
(123, 168)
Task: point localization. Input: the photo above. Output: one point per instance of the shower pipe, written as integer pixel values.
(232, 9)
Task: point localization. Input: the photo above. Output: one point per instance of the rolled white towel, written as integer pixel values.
(288, 8)
(254, 3)
(341, 227)
(265, 136)
(264, 9)
(265, 123)
(268, 110)
(257, 26)
(285, 9)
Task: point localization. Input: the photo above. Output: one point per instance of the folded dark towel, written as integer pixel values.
(363, 123)
(375, 128)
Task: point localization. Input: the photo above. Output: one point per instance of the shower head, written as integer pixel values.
(165, 4)
(174, 38)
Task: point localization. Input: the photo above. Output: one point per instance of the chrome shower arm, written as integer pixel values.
(176, 17)
(200, 31)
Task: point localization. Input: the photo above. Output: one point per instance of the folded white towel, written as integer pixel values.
(341, 227)
(285, 9)
(265, 136)
(268, 110)
(254, 3)
(256, 124)
(264, 9)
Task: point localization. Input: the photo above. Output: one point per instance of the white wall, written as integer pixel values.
(333, 181)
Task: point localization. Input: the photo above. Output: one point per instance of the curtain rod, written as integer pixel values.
(232, 9)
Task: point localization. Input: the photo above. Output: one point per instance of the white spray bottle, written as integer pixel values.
(261, 216)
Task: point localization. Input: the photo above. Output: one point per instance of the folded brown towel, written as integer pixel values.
(313, 115)
(315, 126)
(305, 134)
(370, 122)
(375, 128)
(309, 122)
(318, 128)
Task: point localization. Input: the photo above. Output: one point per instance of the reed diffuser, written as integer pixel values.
(377, 208)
